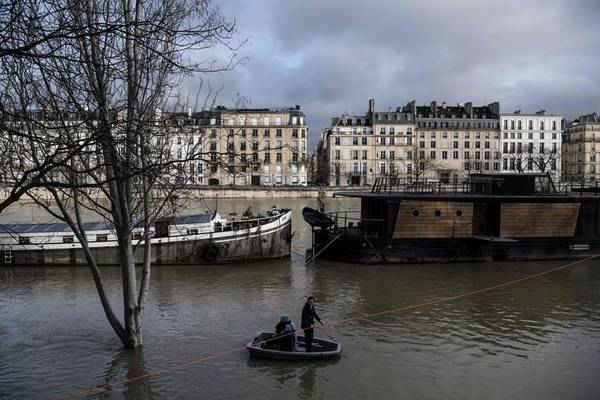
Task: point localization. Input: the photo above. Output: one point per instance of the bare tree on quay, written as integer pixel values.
(81, 85)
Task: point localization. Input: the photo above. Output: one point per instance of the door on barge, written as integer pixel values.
(486, 219)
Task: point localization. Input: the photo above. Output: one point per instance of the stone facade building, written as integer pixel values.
(455, 141)
(220, 146)
(434, 142)
(258, 146)
(531, 143)
(359, 148)
(580, 148)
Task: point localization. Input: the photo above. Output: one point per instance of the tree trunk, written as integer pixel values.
(132, 336)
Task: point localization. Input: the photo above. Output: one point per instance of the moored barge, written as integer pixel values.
(192, 239)
(490, 217)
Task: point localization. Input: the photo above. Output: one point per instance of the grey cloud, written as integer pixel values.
(331, 56)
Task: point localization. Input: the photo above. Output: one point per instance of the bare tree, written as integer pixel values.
(99, 75)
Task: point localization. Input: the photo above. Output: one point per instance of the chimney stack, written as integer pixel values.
(469, 109)
(371, 106)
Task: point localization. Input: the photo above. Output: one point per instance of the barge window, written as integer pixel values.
(415, 213)
(101, 238)
(24, 240)
(192, 231)
(459, 213)
(438, 213)
(67, 239)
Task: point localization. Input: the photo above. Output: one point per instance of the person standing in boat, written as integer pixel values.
(309, 314)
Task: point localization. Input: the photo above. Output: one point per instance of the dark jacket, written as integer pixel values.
(308, 316)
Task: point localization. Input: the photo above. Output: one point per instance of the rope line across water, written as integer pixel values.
(364, 317)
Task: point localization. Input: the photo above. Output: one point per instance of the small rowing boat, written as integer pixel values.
(322, 349)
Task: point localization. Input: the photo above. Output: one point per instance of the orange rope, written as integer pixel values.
(364, 317)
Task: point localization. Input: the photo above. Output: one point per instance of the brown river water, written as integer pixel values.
(538, 339)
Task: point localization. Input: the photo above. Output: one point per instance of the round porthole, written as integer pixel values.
(438, 213)
(459, 213)
(416, 213)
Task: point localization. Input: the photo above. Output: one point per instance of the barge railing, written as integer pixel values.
(406, 185)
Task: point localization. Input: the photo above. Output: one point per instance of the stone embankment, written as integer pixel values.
(226, 192)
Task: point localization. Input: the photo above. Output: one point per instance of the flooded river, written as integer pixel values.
(538, 339)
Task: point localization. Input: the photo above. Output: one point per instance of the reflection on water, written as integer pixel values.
(538, 339)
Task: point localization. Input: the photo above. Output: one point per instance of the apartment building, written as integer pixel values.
(580, 147)
(434, 142)
(531, 143)
(221, 146)
(455, 141)
(359, 148)
(258, 146)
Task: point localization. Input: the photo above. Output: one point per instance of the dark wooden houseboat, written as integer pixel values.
(491, 217)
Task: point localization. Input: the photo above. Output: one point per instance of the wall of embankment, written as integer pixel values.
(221, 192)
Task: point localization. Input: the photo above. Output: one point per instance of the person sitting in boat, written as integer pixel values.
(286, 329)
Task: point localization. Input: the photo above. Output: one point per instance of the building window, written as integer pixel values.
(444, 155)
(337, 154)
(467, 144)
(433, 144)
(432, 154)
(278, 132)
(278, 157)
(382, 155)
(530, 124)
(455, 155)
(337, 140)
(364, 154)
(355, 141)
(392, 155)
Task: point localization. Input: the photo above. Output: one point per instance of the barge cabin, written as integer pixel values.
(490, 217)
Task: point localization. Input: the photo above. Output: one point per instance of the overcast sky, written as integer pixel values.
(331, 56)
